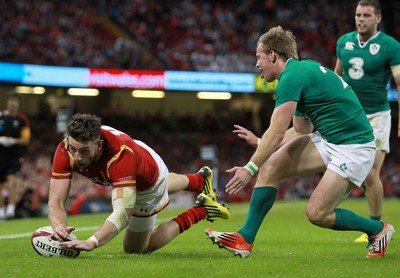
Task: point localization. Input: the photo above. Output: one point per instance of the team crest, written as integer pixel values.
(374, 48)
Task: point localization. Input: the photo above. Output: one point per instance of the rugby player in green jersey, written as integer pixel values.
(330, 134)
(365, 60)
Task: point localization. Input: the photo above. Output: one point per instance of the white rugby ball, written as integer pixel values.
(51, 248)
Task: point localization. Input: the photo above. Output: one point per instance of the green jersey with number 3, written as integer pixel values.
(326, 100)
(366, 68)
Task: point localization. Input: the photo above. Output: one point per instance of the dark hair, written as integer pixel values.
(14, 95)
(373, 3)
(84, 127)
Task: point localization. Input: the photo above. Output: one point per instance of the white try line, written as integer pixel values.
(161, 220)
(94, 228)
(30, 234)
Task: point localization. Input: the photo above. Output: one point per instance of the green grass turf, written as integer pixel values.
(287, 245)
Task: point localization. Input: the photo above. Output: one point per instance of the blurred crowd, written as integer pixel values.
(64, 33)
(180, 35)
(217, 36)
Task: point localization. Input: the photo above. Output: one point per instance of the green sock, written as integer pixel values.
(261, 202)
(347, 220)
(376, 218)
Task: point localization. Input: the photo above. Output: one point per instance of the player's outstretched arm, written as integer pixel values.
(58, 194)
(105, 234)
(123, 202)
(246, 135)
(270, 141)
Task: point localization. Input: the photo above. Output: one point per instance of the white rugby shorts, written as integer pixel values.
(381, 123)
(353, 162)
(152, 201)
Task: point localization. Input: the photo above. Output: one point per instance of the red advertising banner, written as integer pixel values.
(132, 79)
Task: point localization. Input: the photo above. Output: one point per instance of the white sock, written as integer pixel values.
(2, 213)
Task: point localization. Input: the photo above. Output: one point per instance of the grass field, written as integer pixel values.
(286, 246)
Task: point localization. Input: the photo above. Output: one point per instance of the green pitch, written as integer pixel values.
(286, 246)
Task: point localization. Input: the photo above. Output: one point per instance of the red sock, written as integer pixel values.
(190, 217)
(196, 183)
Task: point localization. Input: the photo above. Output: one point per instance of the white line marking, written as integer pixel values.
(30, 234)
(94, 228)
(161, 220)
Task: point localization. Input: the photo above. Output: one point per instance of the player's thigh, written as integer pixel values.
(138, 233)
(177, 182)
(12, 180)
(297, 157)
(136, 242)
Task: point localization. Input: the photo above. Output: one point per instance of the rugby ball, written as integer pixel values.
(51, 248)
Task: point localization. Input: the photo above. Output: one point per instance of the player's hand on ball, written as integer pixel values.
(240, 179)
(45, 246)
(61, 232)
(86, 245)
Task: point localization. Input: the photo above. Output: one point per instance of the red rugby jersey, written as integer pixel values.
(122, 163)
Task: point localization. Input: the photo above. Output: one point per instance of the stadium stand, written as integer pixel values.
(216, 36)
(67, 34)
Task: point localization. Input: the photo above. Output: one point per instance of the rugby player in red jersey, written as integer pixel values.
(140, 183)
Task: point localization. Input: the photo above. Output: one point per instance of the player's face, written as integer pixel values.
(85, 153)
(13, 104)
(366, 20)
(264, 63)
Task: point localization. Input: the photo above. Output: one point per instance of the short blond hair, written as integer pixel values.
(281, 41)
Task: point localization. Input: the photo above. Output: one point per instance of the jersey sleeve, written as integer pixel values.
(339, 46)
(122, 171)
(26, 126)
(289, 89)
(25, 119)
(394, 58)
(62, 168)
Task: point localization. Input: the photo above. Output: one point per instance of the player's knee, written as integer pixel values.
(134, 245)
(372, 178)
(130, 249)
(316, 216)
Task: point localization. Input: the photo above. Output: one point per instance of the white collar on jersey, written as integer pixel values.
(365, 43)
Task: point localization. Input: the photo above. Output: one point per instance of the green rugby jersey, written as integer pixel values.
(326, 100)
(366, 68)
